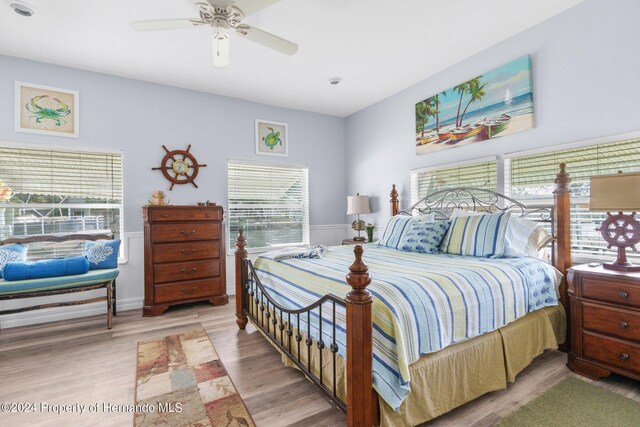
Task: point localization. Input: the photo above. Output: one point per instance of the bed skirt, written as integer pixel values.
(460, 373)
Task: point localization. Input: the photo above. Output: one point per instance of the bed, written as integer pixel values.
(429, 332)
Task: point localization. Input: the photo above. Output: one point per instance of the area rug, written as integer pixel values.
(180, 381)
(575, 402)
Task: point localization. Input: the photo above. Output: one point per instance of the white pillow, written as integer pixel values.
(430, 217)
(525, 238)
(457, 212)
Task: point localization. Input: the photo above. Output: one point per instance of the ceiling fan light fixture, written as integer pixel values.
(220, 43)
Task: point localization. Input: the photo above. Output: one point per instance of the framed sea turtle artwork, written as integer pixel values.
(271, 138)
(47, 110)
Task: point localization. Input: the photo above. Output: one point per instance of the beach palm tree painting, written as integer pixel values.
(492, 105)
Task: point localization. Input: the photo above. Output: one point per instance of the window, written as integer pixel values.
(53, 191)
(483, 174)
(530, 179)
(270, 204)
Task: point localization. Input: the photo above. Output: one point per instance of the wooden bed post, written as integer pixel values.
(359, 347)
(562, 249)
(395, 204)
(241, 255)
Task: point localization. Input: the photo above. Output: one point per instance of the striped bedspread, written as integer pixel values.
(422, 303)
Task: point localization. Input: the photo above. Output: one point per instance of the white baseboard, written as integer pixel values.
(64, 313)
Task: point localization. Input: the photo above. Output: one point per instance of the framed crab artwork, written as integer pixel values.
(47, 110)
(271, 138)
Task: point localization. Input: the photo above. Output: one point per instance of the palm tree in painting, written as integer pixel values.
(476, 90)
(437, 109)
(461, 89)
(424, 110)
(421, 117)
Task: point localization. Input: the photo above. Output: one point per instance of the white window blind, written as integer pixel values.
(270, 203)
(53, 191)
(531, 179)
(478, 175)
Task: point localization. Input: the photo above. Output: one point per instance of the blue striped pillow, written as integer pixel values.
(478, 235)
(397, 228)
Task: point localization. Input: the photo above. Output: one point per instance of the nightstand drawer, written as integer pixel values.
(188, 270)
(611, 321)
(611, 291)
(623, 354)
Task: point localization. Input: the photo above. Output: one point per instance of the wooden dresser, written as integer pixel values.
(184, 257)
(605, 322)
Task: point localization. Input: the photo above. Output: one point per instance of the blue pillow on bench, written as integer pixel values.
(25, 270)
(12, 253)
(102, 253)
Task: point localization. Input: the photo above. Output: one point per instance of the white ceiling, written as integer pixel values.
(378, 47)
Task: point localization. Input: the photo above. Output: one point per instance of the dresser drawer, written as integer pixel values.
(186, 214)
(168, 252)
(614, 352)
(185, 232)
(186, 290)
(611, 321)
(188, 270)
(611, 291)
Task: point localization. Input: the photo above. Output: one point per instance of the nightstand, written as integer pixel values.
(353, 242)
(605, 322)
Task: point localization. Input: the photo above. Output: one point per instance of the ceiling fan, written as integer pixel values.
(224, 15)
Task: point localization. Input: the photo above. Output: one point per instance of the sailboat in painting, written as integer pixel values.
(507, 97)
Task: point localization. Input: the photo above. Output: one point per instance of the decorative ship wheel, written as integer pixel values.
(621, 231)
(179, 167)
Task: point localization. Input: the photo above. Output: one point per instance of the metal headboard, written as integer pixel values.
(443, 202)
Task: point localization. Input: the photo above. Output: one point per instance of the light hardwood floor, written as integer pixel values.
(81, 362)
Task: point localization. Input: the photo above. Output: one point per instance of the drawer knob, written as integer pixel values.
(189, 291)
(165, 215)
(625, 357)
(623, 294)
(184, 233)
(185, 271)
(623, 325)
(187, 252)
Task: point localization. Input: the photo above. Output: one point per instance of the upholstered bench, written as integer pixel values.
(32, 288)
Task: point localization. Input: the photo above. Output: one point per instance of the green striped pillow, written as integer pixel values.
(478, 235)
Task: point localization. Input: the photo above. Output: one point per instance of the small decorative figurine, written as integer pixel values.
(157, 199)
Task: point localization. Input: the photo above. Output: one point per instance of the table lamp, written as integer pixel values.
(618, 193)
(357, 205)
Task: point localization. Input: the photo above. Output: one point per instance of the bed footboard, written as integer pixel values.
(293, 331)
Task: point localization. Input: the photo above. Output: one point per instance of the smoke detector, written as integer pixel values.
(21, 8)
(335, 80)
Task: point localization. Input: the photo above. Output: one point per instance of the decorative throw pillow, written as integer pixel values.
(396, 229)
(525, 238)
(102, 253)
(25, 270)
(430, 217)
(424, 237)
(11, 253)
(479, 235)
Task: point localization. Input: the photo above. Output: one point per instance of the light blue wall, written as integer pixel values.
(586, 74)
(138, 117)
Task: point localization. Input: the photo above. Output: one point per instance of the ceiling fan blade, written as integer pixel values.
(267, 39)
(214, 3)
(249, 7)
(220, 50)
(163, 24)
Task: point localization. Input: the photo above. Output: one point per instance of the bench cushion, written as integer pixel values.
(57, 267)
(63, 282)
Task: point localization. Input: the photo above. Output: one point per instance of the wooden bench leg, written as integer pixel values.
(115, 298)
(109, 304)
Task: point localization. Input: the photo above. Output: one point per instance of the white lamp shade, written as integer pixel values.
(619, 192)
(358, 205)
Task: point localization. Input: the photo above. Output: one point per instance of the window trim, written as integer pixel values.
(123, 257)
(306, 225)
